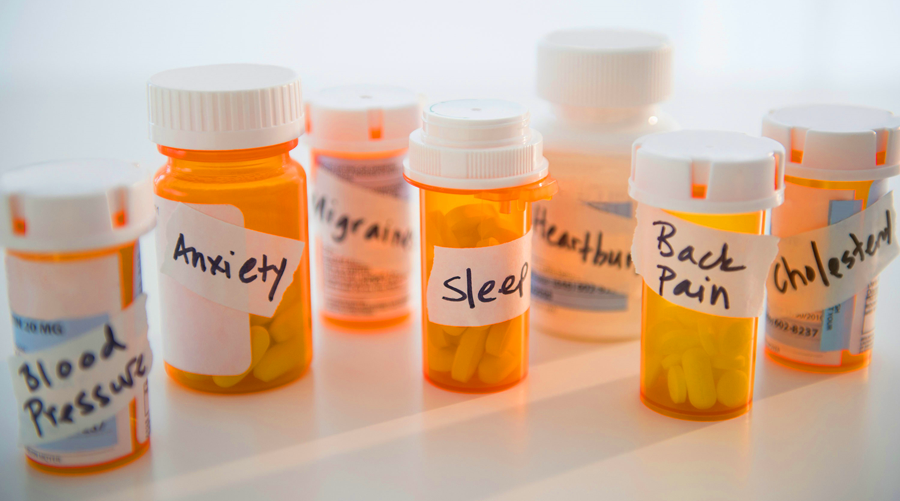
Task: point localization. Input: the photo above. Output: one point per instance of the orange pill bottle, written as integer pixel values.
(232, 234)
(79, 319)
(840, 162)
(479, 168)
(699, 246)
(361, 211)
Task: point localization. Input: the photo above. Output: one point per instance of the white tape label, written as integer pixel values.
(821, 268)
(362, 224)
(242, 269)
(708, 270)
(480, 286)
(63, 390)
(577, 239)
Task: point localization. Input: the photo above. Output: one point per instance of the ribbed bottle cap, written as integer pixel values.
(835, 142)
(225, 107)
(476, 144)
(361, 118)
(604, 68)
(75, 205)
(707, 172)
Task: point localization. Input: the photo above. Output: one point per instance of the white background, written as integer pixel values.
(363, 423)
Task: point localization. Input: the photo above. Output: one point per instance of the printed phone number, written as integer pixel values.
(798, 330)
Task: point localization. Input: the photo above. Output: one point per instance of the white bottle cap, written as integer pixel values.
(473, 144)
(604, 68)
(225, 107)
(362, 118)
(75, 205)
(837, 143)
(707, 172)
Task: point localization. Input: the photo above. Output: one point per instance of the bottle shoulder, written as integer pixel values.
(604, 139)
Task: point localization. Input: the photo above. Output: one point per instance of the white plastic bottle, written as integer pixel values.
(604, 87)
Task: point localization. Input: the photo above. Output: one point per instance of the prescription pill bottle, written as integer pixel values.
(361, 213)
(699, 246)
(79, 318)
(232, 234)
(603, 87)
(479, 167)
(837, 233)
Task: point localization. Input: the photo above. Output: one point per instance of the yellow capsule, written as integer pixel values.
(733, 389)
(671, 360)
(699, 378)
(195, 377)
(678, 341)
(493, 369)
(737, 339)
(501, 336)
(677, 385)
(468, 354)
(280, 359)
(436, 336)
(440, 359)
(498, 228)
(729, 363)
(487, 242)
(287, 324)
(707, 340)
(434, 224)
(453, 330)
(259, 343)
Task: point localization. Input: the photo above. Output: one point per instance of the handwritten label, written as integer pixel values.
(362, 224)
(704, 269)
(73, 386)
(242, 269)
(820, 268)
(573, 237)
(480, 286)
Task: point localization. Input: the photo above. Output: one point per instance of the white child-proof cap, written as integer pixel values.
(75, 205)
(225, 107)
(473, 144)
(707, 172)
(362, 118)
(604, 68)
(836, 142)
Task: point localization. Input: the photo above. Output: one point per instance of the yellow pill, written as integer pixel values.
(501, 336)
(280, 359)
(287, 324)
(677, 385)
(698, 375)
(671, 360)
(678, 342)
(468, 354)
(733, 389)
(259, 343)
(468, 217)
(737, 339)
(440, 359)
(498, 228)
(453, 330)
(707, 340)
(729, 363)
(436, 336)
(493, 369)
(651, 368)
(434, 225)
(487, 242)
(195, 377)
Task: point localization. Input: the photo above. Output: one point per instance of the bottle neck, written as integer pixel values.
(606, 116)
(255, 162)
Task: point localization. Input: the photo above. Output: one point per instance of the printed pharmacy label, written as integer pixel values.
(708, 270)
(582, 253)
(362, 224)
(825, 267)
(480, 286)
(70, 387)
(233, 266)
